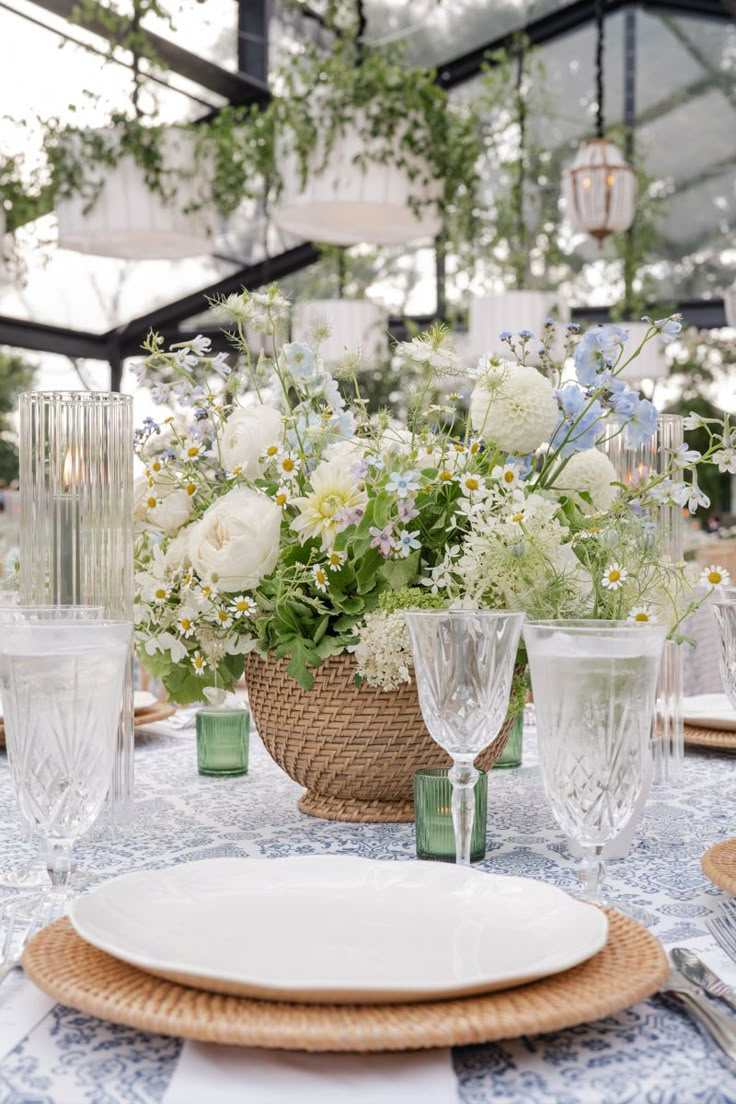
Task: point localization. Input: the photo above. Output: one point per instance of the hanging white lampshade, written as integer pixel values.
(130, 221)
(355, 324)
(600, 190)
(510, 311)
(651, 363)
(351, 197)
(729, 303)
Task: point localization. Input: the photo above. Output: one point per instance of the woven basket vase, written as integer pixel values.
(354, 749)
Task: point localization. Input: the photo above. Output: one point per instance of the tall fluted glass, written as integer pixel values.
(76, 539)
(594, 684)
(62, 684)
(725, 615)
(464, 665)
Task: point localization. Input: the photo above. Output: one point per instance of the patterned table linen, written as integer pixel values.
(650, 1054)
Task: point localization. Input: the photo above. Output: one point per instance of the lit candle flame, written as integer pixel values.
(70, 470)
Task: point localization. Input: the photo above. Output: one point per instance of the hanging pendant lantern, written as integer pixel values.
(600, 190)
(600, 185)
(355, 325)
(729, 303)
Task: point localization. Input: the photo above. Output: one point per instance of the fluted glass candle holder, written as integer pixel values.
(76, 526)
(435, 835)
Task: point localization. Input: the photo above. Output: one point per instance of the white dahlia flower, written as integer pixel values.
(517, 411)
(334, 492)
(590, 471)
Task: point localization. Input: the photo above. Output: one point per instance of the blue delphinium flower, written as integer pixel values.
(642, 424)
(600, 344)
(582, 426)
(300, 359)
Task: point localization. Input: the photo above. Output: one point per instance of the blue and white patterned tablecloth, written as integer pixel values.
(651, 1053)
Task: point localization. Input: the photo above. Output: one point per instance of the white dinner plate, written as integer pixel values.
(338, 928)
(710, 711)
(144, 699)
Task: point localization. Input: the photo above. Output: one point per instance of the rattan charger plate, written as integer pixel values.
(151, 714)
(719, 864)
(630, 967)
(720, 739)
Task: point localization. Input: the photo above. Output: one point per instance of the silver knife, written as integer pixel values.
(720, 1026)
(696, 971)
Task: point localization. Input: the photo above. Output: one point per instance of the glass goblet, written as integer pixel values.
(594, 685)
(725, 615)
(62, 684)
(464, 665)
(33, 874)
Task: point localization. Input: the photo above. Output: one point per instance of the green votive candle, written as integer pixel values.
(511, 756)
(222, 741)
(433, 816)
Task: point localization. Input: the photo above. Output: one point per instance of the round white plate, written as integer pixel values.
(338, 929)
(143, 699)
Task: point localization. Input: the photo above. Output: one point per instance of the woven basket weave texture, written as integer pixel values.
(355, 749)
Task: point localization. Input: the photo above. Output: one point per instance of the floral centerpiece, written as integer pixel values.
(280, 520)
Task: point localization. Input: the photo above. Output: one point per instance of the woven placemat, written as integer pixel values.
(710, 738)
(630, 967)
(151, 714)
(719, 864)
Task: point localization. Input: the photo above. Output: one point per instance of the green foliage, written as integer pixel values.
(16, 375)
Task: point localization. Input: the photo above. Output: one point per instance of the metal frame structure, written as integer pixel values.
(249, 85)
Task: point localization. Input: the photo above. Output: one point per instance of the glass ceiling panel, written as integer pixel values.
(208, 28)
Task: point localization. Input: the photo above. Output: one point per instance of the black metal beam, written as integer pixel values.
(705, 314)
(253, 276)
(253, 39)
(237, 88)
(567, 19)
(23, 334)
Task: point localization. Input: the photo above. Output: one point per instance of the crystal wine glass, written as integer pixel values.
(33, 874)
(725, 615)
(464, 664)
(62, 684)
(594, 685)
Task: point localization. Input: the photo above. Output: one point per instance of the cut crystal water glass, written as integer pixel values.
(594, 685)
(62, 685)
(464, 664)
(725, 615)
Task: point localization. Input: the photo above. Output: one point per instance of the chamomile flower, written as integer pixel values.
(199, 663)
(223, 618)
(152, 501)
(193, 451)
(715, 576)
(282, 496)
(444, 475)
(288, 466)
(154, 468)
(207, 591)
(191, 488)
(319, 576)
(641, 613)
(243, 606)
(335, 559)
(270, 452)
(507, 475)
(475, 446)
(158, 594)
(614, 576)
(471, 485)
(185, 623)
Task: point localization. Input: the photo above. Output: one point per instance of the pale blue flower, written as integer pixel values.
(300, 360)
(407, 542)
(402, 484)
(600, 344)
(581, 426)
(668, 329)
(642, 425)
(684, 457)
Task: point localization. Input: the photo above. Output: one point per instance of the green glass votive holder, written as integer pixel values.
(433, 816)
(511, 755)
(222, 741)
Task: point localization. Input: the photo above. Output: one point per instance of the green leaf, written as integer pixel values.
(400, 573)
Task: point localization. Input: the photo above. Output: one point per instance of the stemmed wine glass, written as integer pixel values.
(33, 874)
(594, 685)
(464, 664)
(62, 684)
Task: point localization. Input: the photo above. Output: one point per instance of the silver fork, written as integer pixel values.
(723, 928)
(14, 944)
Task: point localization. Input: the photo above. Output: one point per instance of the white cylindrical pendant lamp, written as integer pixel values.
(355, 325)
(600, 190)
(651, 363)
(130, 221)
(729, 303)
(510, 311)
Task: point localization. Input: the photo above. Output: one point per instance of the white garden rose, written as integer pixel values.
(590, 471)
(395, 441)
(237, 539)
(174, 508)
(176, 557)
(345, 454)
(247, 432)
(518, 412)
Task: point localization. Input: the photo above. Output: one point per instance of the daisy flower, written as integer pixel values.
(270, 452)
(207, 591)
(185, 623)
(715, 576)
(288, 465)
(199, 663)
(472, 484)
(335, 560)
(507, 476)
(282, 496)
(614, 576)
(193, 451)
(444, 476)
(641, 613)
(191, 489)
(224, 618)
(243, 606)
(319, 575)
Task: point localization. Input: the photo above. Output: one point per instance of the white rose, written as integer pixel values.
(395, 441)
(591, 471)
(173, 510)
(344, 455)
(237, 539)
(247, 433)
(519, 413)
(176, 557)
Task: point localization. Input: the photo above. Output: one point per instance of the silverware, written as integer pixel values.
(723, 928)
(696, 971)
(719, 1025)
